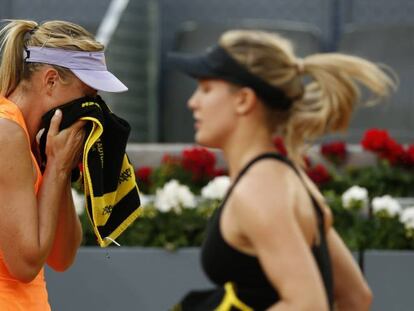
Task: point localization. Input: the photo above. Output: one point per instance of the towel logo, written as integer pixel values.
(107, 210)
(98, 147)
(125, 175)
(88, 104)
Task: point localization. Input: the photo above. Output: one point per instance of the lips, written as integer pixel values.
(197, 122)
(197, 125)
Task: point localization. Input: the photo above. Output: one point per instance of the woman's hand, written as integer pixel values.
(63, 148)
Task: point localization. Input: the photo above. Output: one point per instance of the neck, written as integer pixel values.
(244, 145)
(30, 110)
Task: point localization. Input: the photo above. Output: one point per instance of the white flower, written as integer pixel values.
(407, 217)
(386, 204)
(174, 196)
(78, 201)
(355, 196)
(217, 188)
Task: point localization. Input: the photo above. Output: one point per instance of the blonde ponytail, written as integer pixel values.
(12, 46)
(331, 96)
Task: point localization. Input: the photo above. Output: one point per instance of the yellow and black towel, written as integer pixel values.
(111, 192)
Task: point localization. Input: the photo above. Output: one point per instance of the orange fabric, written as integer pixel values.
(16, 295)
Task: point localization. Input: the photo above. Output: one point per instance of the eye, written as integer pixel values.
(204, 87)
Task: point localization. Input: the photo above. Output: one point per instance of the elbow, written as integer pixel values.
(26, 277)
(60, 262)
(357, 300)
(61, 259)
(25, 265)
(25, 272)
(363, 298)
(62, 265)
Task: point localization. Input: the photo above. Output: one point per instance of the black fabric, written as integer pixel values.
(114, 138)
(222, 263)
(216, 63)
(110, 188)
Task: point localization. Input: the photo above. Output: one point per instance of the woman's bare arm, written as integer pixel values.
(28, 223)
(351, 291)
(68, 234)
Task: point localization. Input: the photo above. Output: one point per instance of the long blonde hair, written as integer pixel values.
(325, 104)
(18, 34)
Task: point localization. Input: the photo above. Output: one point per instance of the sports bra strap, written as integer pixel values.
(279, 157)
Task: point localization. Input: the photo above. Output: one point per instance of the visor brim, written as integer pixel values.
(194, 66)
(101, 80)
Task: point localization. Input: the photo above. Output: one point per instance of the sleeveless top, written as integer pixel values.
(223, 263)
(16, 295)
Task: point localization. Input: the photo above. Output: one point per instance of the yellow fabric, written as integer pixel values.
(230, 300)
(100, 204)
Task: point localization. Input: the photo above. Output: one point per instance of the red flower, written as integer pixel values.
(200, 162)
(381, 143)
(393, 152)
(319, 174)
(375, 140)
(143, 174)
(334, 151)
(280, 145)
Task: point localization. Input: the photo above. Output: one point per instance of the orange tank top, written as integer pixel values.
(16, 295)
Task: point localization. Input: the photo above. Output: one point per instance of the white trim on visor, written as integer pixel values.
(89, 67)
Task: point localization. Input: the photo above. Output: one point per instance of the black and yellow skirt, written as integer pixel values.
(220, 299)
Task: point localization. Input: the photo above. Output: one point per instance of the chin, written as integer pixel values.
(207, 142)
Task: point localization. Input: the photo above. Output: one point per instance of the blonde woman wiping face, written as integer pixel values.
(43, 66)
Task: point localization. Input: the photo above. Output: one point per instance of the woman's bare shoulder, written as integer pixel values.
(270, 185)
(11, 132)
(266, 177)
(13, 141)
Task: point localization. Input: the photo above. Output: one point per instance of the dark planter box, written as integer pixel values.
(152, 279)
(390, 275)
(142, 279)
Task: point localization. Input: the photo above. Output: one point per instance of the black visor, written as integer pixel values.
(216, 63)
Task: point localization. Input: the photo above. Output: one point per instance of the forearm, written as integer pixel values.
(351, 291)
(49, 200)
(68, 234)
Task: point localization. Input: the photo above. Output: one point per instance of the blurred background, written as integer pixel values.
(139, 33)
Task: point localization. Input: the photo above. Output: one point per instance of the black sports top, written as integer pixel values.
(222, 263)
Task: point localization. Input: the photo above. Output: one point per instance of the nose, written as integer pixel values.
(192, 101)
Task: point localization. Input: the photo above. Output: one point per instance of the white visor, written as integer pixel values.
(89, 67)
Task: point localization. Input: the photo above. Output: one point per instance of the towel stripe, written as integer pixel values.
(119, 212)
